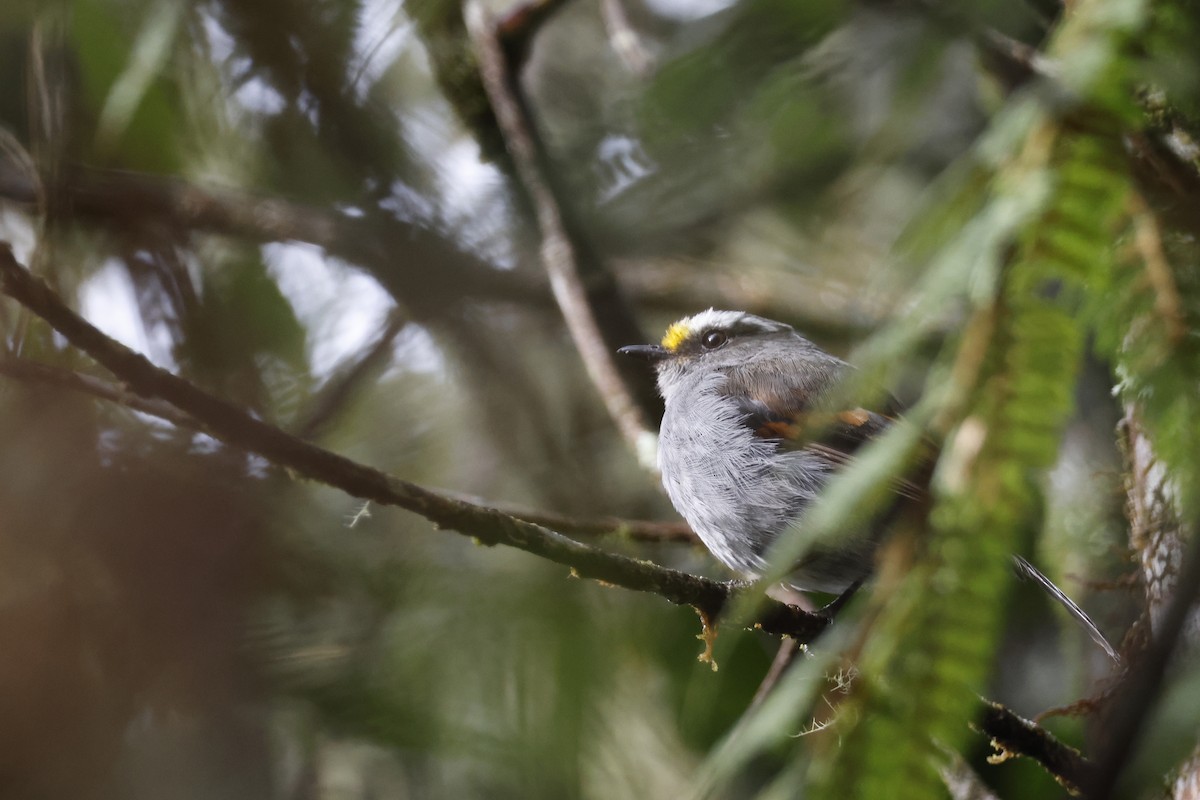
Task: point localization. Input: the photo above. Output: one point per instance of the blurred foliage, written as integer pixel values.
(972, 219)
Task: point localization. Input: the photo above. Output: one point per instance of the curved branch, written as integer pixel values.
(236, 428)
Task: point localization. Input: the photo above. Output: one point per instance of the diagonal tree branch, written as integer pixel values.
(236, 428)
(1012, 735)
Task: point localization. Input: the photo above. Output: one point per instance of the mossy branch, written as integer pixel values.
(235, 427)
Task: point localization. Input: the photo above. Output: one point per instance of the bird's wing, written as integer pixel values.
(836, 435)
(790, 417)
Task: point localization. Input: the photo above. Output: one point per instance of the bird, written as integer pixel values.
(752, 433)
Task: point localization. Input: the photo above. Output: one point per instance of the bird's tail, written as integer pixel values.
(1027, 571)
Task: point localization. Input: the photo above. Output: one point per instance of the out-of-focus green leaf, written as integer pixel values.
(141, 131)
(149, 55)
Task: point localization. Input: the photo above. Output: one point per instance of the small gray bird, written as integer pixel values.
(750, 437)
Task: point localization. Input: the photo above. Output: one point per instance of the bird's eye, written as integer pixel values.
(713, 339)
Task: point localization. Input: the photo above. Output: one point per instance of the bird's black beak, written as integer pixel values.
(646, 352)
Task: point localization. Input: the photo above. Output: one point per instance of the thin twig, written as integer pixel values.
(961, 781)
(341, 387)
(32, 371)
(784, 656)
(624, 39)
(1147, 238)
(233, 426)
(633, 529)
(560, 253)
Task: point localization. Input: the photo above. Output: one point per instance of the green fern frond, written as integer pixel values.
(933, 645)
(921, 692)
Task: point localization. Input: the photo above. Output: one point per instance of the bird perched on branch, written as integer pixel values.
(751, 435)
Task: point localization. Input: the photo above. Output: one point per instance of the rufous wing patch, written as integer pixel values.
(778, 429)
(855, 417)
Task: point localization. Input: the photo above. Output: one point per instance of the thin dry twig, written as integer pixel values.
(234, 427)
(624, 39)
(784, 656)
(560, 254)
(633, 529)
(340, 388)
(962, 782)
(34, 372)
(1147, 238)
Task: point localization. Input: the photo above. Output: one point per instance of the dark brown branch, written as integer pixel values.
(1014, 735)
(236, 428)
(490, 526)
(563, 251)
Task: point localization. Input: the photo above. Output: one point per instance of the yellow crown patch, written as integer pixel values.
(675, 335)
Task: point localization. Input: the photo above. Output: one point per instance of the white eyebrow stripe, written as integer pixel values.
(713, 318)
